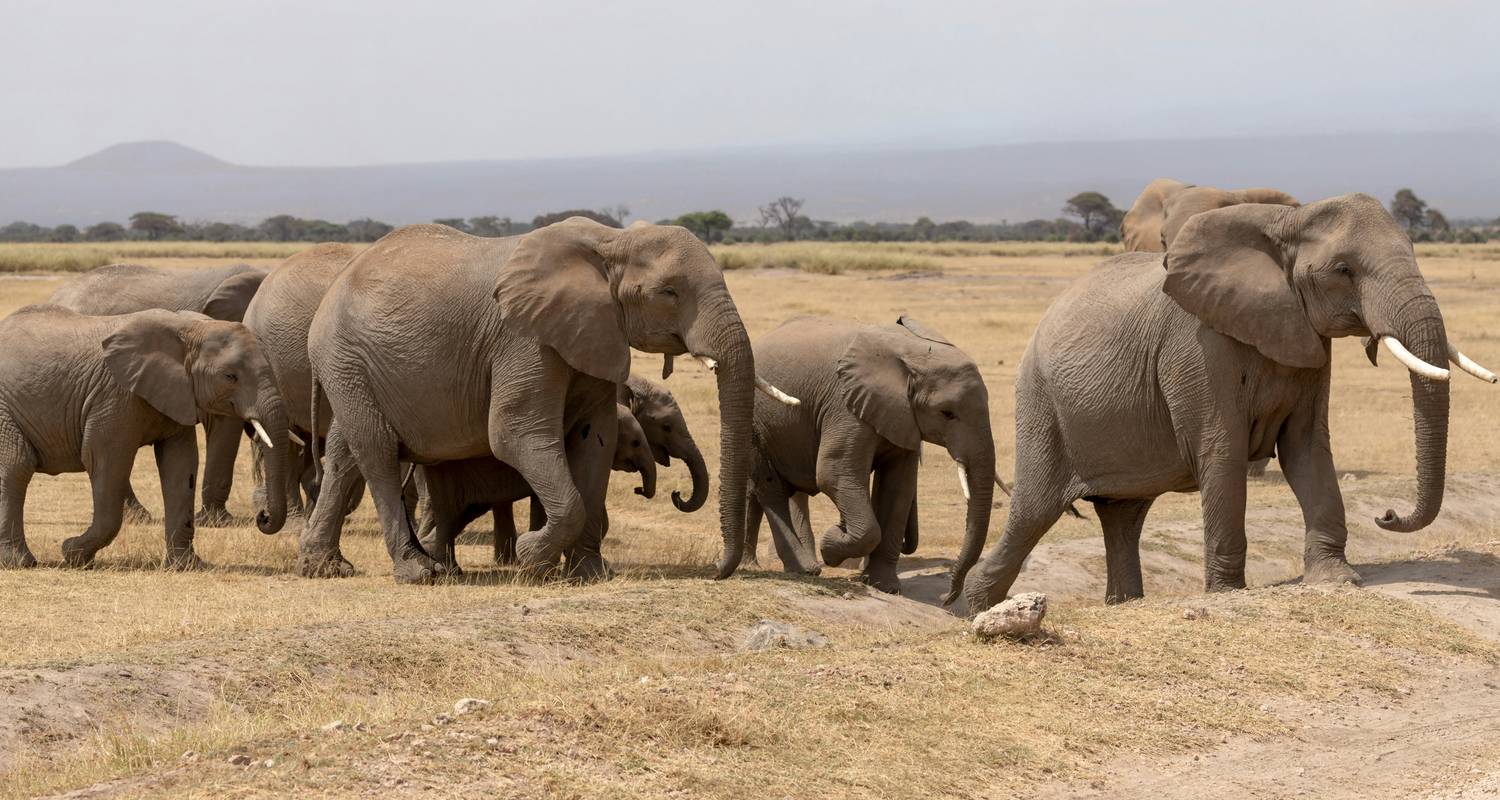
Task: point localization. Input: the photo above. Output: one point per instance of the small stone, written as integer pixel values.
(772, 634)
(1349, 477)
(1195, 613)
(442, 719)
(393, 737)
(847, 595)
(469, 705)
(240, 760)
(1017, 618)
(188, 757)
(268, 763)
(645, 679)
(337, 726)
(492, 741)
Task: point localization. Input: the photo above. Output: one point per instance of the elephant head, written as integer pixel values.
(185, 365)
(912, 386)
(1285, 280)
(592, 292)
(633, 452)
(667, 432)
(1191, 200)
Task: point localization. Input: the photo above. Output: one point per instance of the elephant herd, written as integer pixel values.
(448, 376)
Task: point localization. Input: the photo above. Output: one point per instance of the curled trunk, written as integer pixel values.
(719, 334)
(1423, 334)
(647, 489)
(981, 476)
(699, 471)
(277, 461)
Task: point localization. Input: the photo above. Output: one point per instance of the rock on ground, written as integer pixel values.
(769, 633)
(1017, 618)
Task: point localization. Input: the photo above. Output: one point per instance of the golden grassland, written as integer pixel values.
(638, 688)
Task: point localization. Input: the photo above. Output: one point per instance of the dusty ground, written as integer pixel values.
(139, 683)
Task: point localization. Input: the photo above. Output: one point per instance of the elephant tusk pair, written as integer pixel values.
(260, 432)
(1425, 369)
(760, 383)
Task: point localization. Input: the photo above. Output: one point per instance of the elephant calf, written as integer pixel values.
(83, 394)
(871, 394)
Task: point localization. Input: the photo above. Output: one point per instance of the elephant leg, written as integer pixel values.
(802, 522)
(775, 500)
(753, 514)
(1307, 461)
(541, 460)
(222, 445)
(177, 465)
(16, 470)
(1122, 521)
(375, 447)
(135, 512)
(1258, 468)
(305, 479)
(913, 534)
(319, 554)
(109, 474)
(356, 494)
(844, 465)
(1221, 486)
(591, 451)
(504, 517)
(894, 491)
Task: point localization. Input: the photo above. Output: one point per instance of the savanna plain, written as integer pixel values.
(244, 680)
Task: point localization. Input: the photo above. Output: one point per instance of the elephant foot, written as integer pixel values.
(1226, 583)
(16, 556)
(883, 580)
(589, 568)
(331, 564)
(535, 554)
(184, 561)
(1332, 569)
(417, 568)
(213, 517)
(837, 546)
(1116, 598)
(135, 513)
(76, 553)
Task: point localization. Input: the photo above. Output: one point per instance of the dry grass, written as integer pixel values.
(876, 714)
(84, 256)
(822, 258)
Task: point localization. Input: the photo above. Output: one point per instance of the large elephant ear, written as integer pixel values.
(555, 286)
(876, 386)
(1226, 268)
(232, 296)
(146, 356)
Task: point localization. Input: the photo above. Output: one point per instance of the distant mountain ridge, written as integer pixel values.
(1458, 172)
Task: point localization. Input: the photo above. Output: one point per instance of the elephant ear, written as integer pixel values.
(876, 386)
(1226, 268)
(921, 331)
(147, 357)
(555, 287)
(232, 296)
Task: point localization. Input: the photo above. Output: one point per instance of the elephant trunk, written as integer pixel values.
(647, 489)
(1421, 331)
(271, 415)
(699, 471)
(718, 333)
(980, 473)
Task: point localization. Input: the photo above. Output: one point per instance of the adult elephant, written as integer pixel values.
(280, 315)
(433, 345)
(220, 293)
(1145, 226)
(871, 395)
(459, 492)
(1141, 381)
(84, 393)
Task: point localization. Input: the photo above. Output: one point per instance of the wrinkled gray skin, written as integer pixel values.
(871, 394)
(217, 292)
(657, 417)
(279, 316)
(409, 346)
(83, 394)
(1141, 380)
(459, 492)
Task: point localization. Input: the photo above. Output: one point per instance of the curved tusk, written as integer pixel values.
(760, 383)
(1413, 363)
(261, 432)
(296, 440)
(1467, 365)
(963, 481)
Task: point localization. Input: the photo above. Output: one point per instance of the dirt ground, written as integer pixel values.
(127, 681)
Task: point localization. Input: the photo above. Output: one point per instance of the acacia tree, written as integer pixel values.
(710, 226)
(1409, 210)
(1095, 211)
(785, 213)
(154, 224)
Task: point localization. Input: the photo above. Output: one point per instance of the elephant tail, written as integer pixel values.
(317, 460)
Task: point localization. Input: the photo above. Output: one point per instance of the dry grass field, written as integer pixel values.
(129, 681)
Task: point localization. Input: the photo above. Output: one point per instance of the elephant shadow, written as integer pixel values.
(153, 564)
(926, 580)
(1466, 573)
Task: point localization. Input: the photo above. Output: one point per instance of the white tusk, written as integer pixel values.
(1413, 363)
(760, 383)
(296, 440)
(1467, 365)
(963, 480)
(261, 432)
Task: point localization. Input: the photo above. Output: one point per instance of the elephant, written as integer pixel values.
(433, 345)
(220, 293)
(279, 315)
(1144, 227)
(1142, 380)
(458, 492)
(83, 393)
(871, 395)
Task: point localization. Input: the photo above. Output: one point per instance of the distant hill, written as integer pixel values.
(1457, 172)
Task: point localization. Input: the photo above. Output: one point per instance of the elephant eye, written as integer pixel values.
(949, 415)
(231, 377)
(1343, 269)
(669, 291)
(636, 443)
(666, 427)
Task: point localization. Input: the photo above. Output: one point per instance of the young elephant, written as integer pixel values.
(1141, 380)
(459, 492)
(83, 394)
(871, 394)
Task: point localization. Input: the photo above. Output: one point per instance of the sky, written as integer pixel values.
(300, 82)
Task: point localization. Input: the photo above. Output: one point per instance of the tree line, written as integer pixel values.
(1086, 217)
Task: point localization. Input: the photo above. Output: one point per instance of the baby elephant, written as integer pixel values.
(871, 394)
(459, 492)
(83, 394)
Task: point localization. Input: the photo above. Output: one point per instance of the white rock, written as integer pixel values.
(468, 705)
(1018, 617)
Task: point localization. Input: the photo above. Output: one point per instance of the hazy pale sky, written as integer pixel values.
(300, 82)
